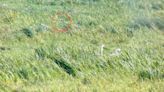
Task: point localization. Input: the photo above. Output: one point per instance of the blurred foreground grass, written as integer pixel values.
(34, 58)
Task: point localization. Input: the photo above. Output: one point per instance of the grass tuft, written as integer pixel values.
(66, 67)
(149, 74)
(28, 32)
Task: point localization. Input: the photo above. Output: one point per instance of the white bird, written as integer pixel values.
(117, 52)
(102, 49)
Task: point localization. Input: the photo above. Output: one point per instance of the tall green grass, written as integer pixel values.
(35, 58)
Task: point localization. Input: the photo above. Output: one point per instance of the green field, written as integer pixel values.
(110, 46)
